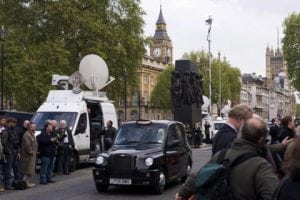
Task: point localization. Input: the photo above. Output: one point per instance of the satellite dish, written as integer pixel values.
(94, 72)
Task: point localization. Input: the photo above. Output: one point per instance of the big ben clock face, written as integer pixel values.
(156, 52)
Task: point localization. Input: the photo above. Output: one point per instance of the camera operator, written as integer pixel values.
(65, 147)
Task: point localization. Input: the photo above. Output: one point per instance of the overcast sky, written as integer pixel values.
(241, 29)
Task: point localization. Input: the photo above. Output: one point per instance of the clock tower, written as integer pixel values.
(161, 48)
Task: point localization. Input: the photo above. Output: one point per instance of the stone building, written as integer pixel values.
(271, 96)
(161, 55)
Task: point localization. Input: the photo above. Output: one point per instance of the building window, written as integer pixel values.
(145, 98)
(135, 99)
(152, 80)
(121, 102)
(146, 79)
(121, 115)
(134, 115)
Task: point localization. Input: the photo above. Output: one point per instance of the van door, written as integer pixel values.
(82, 137)
(109, 113)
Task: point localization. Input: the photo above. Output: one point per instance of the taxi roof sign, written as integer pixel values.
(144, 122)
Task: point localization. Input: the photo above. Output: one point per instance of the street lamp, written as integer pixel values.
(2, 38)
(209, 23)
(125, 94)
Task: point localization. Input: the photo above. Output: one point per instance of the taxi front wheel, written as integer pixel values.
(102, 187)
(160, 185)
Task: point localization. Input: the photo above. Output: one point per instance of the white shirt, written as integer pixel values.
(66, 139)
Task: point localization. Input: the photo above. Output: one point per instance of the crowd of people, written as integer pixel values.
(271, 172)
(195, 136)
(19, 149)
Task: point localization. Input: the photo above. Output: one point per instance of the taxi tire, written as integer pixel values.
(160, 185)
(188, 172)
(101, 187)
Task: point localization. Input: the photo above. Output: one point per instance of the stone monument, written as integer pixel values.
(186, 92)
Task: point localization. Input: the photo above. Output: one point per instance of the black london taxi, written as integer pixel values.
(146, 153)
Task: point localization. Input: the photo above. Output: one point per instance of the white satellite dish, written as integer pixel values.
(94, 71)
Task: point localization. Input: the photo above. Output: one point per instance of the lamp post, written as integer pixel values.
(125, 94)
(209, 23)
(2, 37)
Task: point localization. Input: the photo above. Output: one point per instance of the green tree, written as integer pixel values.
(221, 71)
(161, 94)
(50, 37)
(291, 47)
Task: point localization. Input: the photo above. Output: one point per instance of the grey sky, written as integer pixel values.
(241, 29)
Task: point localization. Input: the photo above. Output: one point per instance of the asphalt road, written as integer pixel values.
(80, 185)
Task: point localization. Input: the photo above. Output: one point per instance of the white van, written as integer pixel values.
(86, 115)
(86, 112)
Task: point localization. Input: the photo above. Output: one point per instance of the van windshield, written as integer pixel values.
(40, 117)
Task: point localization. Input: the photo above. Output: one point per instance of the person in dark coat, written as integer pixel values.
(23, 130)
(109, 134)
(237, 116)
(11, 151)
(206, 131)
(198, 135)
(274, 131)
(289, 188)
(66, 145)
(47, 148)
(287, 128)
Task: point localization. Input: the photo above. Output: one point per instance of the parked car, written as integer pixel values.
(218, 123)
(19, 116)
(146, 153)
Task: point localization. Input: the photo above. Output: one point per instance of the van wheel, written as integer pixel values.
(188, 172)
(160, 185)
(74, 162)
(101, 187)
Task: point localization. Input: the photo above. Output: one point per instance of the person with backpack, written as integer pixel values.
(289, 187)
(241, 172)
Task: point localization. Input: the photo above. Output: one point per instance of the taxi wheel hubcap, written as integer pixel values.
(162, 180)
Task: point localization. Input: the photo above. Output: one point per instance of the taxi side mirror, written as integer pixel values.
(173, 143)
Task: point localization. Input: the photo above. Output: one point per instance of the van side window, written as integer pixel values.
(82, 123)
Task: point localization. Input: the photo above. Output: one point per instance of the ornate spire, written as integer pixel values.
(160, 19)
(161, 27)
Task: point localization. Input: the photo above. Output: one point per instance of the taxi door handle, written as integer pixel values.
(87, 136)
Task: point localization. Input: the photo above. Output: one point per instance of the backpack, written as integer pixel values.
(212, 181)
(19, 185)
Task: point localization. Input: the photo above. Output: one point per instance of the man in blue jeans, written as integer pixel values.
(11, 153)
(47, 147)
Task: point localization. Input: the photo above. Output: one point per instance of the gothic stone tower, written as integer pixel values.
(161, 48)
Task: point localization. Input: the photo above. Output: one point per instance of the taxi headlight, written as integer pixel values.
(100, 160)
(148, 162)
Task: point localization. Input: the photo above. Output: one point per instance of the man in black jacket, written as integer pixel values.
(237, 116)
(47, 148)
(11, 153)
(109, 134)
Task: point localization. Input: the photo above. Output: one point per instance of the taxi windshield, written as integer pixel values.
(135, 134)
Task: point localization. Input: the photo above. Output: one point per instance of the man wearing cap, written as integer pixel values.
(11, 151)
